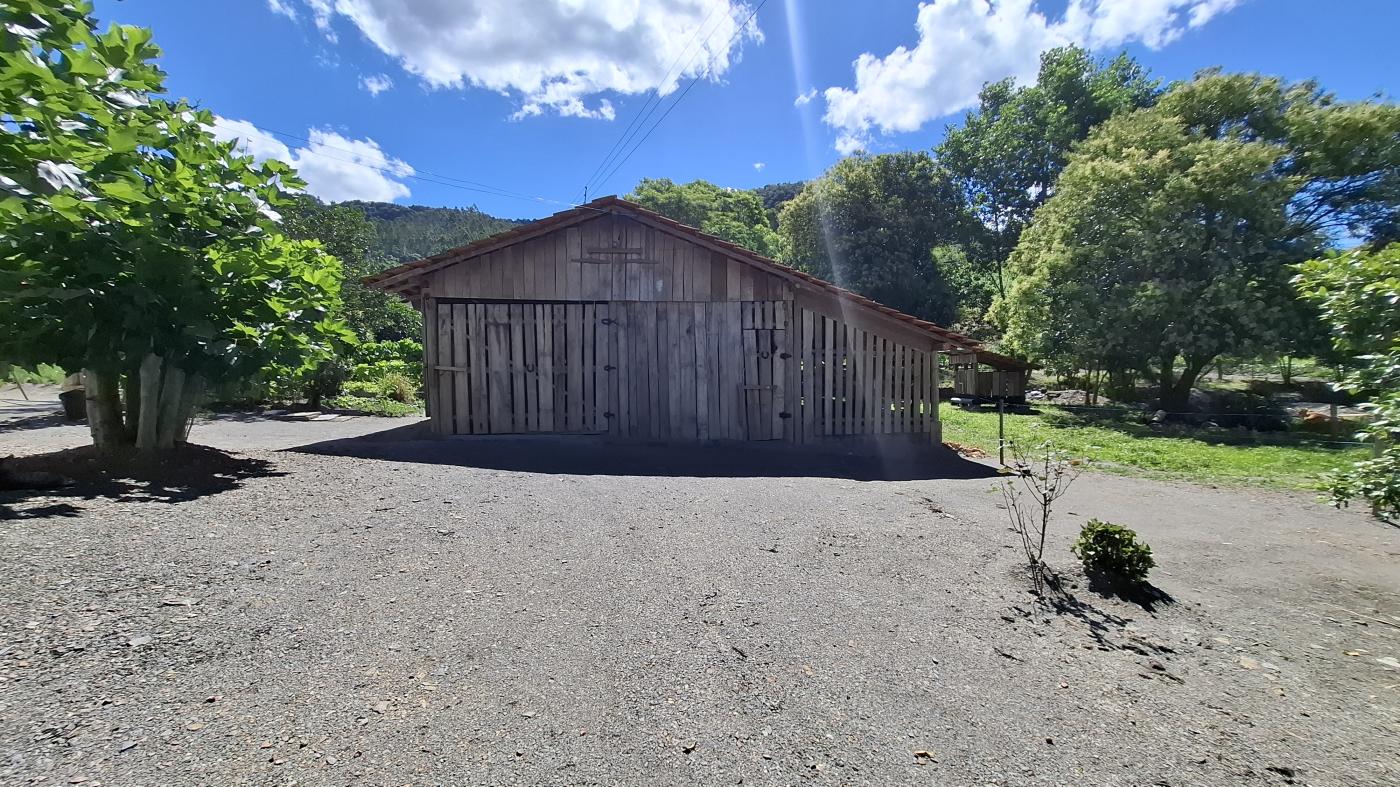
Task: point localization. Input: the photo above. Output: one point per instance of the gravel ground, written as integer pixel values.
(396, 612)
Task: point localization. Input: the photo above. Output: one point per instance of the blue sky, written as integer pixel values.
(481, 97)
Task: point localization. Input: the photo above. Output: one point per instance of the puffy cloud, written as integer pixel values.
(554, 55)
(376, 83)
(334, 167)
(803, 99)
(965, 43)
(758, 166)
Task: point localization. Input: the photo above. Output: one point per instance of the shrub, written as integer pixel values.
(371, 405)
(398, 387)
(1114, 551)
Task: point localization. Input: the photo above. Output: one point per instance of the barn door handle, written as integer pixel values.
(606, 321)
(785, 415)
(529, 367)
(609, 368)
(607, 415)
(765, 354)
(785, 356)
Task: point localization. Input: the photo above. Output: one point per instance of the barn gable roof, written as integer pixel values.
(404, 279)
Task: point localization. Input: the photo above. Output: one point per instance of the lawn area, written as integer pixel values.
(1134, 449)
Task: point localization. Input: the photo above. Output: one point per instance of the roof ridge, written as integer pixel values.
(602, 204)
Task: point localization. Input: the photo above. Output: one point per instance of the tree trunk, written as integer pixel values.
(1164, 381)
(1287, 370)
(1178, 396)
(172, 393)
(104, 410)
(148, 408)
(194, 392)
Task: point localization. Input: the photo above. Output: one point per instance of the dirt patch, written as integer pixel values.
(470, 617)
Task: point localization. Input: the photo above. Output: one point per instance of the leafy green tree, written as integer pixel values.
(1358, 294)
(345, 233)
(871, 223)
(1168, 238)
(133, 245)
(1008, 153)
(403, 233)
(735, 216)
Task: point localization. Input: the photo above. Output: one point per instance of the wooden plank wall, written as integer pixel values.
(511, 368)
(611, 258)
(680, 371)
(857, 382)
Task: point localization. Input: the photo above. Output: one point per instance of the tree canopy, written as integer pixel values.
(870, 224)
(132, 243)
(735, 216)
(1170, 232)
(1008, 153)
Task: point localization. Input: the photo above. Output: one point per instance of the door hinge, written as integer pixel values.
(606, 321)
(607, 415)
(785, 356)
(784, 415)
(609, 368)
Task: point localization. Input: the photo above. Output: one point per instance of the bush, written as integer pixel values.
(1114, 551)
(372, 405)
(398, 387)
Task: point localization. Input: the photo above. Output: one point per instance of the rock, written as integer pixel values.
(137, 642)
(1248, 663)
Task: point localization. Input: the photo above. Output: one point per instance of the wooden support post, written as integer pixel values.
(1001, 431)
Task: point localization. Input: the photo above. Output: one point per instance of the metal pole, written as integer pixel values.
(1001, 430)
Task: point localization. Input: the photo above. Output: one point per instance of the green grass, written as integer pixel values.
(1129, 448)
(375, 406)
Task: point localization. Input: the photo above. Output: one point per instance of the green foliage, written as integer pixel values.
(1114, 551)
(43, 374)
(775, 195)
(126, 229)
(1358, 294)
(344, 231)
(870, 224)
(399, 387)
(403, 233)
(1170, 232)
(375, 405)
(735, 216)
(1008, 153)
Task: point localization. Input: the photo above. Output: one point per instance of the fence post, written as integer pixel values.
(1001, 430)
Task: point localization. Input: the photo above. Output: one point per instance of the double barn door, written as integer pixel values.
(648, 370)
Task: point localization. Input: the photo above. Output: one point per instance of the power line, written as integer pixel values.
(418, 174)
(678, 99)
(644, 112)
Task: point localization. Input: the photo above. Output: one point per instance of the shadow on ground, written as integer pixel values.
(45, 485)
(859, 460)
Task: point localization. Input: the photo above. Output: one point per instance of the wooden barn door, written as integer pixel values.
(520, 367)
(766, 354)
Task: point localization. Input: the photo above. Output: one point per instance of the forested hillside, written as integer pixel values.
(410, 232)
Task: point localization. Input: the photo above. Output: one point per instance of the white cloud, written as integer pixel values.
(758, 166)
(282, 7)
(966, 43)
(376, 83)
(553, 55)
(803, 99)
(334, 167)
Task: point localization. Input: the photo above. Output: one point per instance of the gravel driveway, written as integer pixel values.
(385, 611)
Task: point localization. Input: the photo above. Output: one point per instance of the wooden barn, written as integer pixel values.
(611, 319)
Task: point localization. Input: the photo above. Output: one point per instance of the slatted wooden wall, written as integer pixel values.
(611, 258)
(857, 382)
(519, 367)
